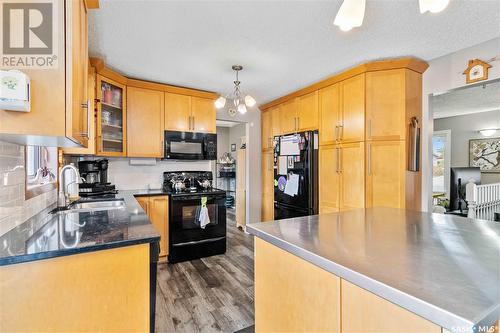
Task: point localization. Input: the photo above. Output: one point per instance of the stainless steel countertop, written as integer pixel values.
(443, 268)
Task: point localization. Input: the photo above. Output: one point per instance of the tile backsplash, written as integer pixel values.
(14, 209)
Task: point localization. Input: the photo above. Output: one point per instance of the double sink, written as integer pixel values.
(90, 206)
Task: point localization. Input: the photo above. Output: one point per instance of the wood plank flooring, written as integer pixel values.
(213, 294)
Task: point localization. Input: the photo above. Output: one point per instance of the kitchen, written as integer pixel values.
(124, 186)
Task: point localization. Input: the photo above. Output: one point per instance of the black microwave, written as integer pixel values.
(190, 146)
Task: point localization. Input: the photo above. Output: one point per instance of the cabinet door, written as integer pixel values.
(91, 148)
(145, 110)
(362, 312)
(266, 129)
(329, 179)
(385, 174)
(267, 186)
(288, 117)
(307, 114)
(275, 121)
(158, 206)
(204, 114)
(385, 105)
(144, 203)
(353, 109)
(111, 118)
(352, 170)
(329, 114)
(76, 72)
(177, 112)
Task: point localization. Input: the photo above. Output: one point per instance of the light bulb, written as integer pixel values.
(250, 101)
(487, 132)
(242, 108)
(220, 102)
(350, 14)
(433, 6)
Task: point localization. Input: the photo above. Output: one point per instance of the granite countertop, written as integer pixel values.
(52, 235)
(443, 268)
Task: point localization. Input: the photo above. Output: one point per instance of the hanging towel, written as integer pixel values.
(204, 218)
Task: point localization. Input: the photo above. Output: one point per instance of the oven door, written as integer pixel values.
(184, 145)
(184, 225)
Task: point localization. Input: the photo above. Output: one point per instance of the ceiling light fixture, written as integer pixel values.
(433, 6)
(350, 14)
(240, 100)
(488, 132)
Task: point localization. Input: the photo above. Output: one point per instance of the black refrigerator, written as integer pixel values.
(296, 175)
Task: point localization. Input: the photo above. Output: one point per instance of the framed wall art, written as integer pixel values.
(485, 154)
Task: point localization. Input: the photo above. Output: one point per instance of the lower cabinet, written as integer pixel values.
(342, 177)
(364, 312)
(267, 213)
(156, 208)
(385, 174)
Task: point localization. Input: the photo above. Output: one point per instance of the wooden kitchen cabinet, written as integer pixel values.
(385, 174)
(352, 171)
(362, 312)
(342, 177)
(288, 117)
(203, 115)
(307, 112)
(329, 184)
(156, 208)
(177, 112)
(270, 127)
(330, 116)
(59, 98)
(267, 213)
(145, 112)
(92, 113)
(385, 105)
(111, 117)
(352, 128)
(189, 113)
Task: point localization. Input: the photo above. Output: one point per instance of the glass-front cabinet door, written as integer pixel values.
(111, 118)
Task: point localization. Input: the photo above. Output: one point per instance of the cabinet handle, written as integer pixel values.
(86, 107)
(341, 127)
(369, 159)
(341, 153)
(336, 132)
(369, 128)
(193, 123)
(298, 123)
(337, 150)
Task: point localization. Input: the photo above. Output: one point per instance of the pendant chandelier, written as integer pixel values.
(240, 100)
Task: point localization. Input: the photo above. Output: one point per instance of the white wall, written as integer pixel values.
(445, 73)
(252, 120)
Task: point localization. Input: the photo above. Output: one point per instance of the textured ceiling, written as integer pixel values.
(473, 99)
(283, 45)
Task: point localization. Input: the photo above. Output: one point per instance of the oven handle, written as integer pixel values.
(210, 240)
(197, 197)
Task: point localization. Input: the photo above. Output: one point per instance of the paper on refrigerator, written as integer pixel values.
(289, 145)
(292, 185)
(282, 165)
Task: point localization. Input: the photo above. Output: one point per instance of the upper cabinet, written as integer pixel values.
(352, 128)
(59, 97)
(385, 105)
(111, 117)
(203, 114)
(288, 116)
(177, 112)
(145, 112)
(329, 114)
(307, 112)
(189, 113)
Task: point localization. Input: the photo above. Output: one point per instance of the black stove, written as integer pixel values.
(190, 235)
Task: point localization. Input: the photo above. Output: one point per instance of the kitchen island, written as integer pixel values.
(85, 271)
(377, 270)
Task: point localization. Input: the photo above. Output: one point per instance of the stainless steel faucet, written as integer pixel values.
(63, 198)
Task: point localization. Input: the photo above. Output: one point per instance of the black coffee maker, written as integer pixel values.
(95, 178)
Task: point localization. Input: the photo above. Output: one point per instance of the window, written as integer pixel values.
(441, 160)
(41, 166)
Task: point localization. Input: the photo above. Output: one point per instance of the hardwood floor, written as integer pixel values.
(213, 294)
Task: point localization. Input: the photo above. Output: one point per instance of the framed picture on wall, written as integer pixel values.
(485, 154)
(233, 146)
